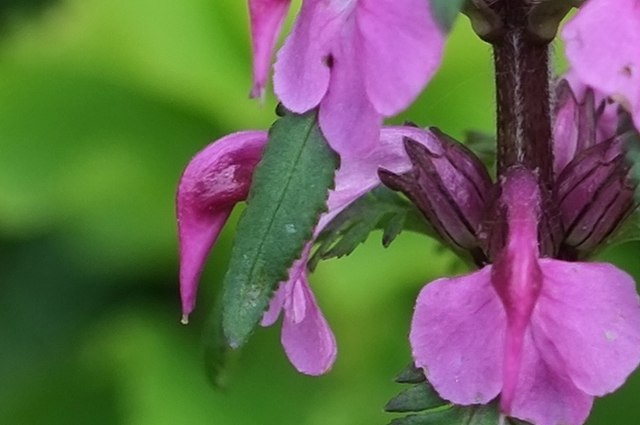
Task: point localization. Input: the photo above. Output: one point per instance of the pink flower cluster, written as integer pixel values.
(543, 334)
(356, 60)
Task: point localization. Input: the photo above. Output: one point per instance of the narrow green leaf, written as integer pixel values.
(410, 375)
(381, 208)
(448, 416)
(446, 11)
(481, 414)
(415, 399)
(632, 141)
(483, 145)
(288, 194)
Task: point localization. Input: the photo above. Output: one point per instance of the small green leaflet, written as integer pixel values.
(446, 11)
(288, 194)
(380, 208)
(421, 397)
(632, 139)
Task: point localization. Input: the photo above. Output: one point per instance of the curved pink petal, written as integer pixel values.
(545, 395)
(347, 118)
(266, 18)
(302, 69)
(401, 46)
(215, 180)
(591, 312)
(458, 336)
(306, 336)
(602, 47)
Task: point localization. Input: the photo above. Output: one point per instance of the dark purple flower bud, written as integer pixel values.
(595, 194)
(450, 185)
(575, 124)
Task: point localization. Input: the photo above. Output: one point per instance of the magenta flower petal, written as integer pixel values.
(457, 337)
(401, 49)
(358, 175)
(306, 336)
(347, 117)
(302, 69)
(266, 18)
(275, 306)
(545, 395)
(592, 314)
(215, 180)
(359, 60)
(602, 47)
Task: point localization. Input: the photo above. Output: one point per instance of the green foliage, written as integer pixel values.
(421, 397)
(446, 11)
(380, 208)
(288, 194)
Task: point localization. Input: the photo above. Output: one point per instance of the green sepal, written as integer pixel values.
(423, 398)
(410, 375)
(420, 397)
(380, 208)
(446, 11)
(287, 196)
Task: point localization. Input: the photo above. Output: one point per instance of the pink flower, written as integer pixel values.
(602, 46)
(266, 18)
(545, 335)
(219, 177)
(358, 60)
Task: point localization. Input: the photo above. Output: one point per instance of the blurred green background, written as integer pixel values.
(102, 103)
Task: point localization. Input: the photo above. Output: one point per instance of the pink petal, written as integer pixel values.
(302, 69)
(347, 118)
(401, 48)
(591, 312)
(458, 335)
(266, 21)
(545, 395)
(306, 336)
(215, 180)
(275, 306)
(602, 47)
(358, 175)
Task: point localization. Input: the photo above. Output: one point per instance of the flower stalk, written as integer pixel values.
(523, 93)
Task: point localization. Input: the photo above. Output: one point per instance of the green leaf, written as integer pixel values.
(288, 194)
(436, 411)
(449, 416)
(456, 415)
(410, 375)
(446, 11)
(415, 399)
(381, 208)
(483, 145)
(632, 142)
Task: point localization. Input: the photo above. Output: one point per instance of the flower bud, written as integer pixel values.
(449, 185)
(595, 194)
